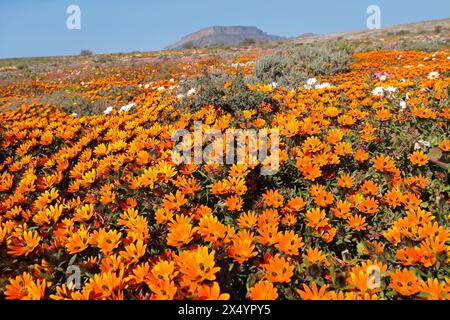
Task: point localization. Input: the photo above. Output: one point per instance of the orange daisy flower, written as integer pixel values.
(369, 188)
(432, 289)
(342, 209)
(247, 220)
(181, 231)
(273, 199)
(277, 269)
(79, 241)
(84, 213)
(263, 290)
(418, 158)
(173, 203)
(445, 146)
(133, 252)
(25, 244)
(316, 218)
(206, 292)
(22, 287)
(242, 247)
(360, 156)
(234, 203)
(368, 206)
(315, 256)
(108, 241)
(346, 181)
(384, 163)
(357, 222)
(289, 242)
(404, 282)
(197, 265)
(314, 293)
(296, 204)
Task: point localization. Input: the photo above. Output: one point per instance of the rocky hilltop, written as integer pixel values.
(222, 35)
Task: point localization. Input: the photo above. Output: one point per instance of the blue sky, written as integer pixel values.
(38, 27)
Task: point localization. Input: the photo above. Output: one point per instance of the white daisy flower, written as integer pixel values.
(403, 105)
(390, 89)
(108, 110)
(323, 85)
(127, 107)
(433, 75)
(378, 92)
(421, 144)
(311, 81)
(191, 92)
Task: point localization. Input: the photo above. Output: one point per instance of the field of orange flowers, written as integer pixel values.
(358, 210)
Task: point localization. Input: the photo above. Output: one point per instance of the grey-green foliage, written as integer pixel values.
(292, 67)
(423, 45)
(278, 68)
(322, 60)
(86, 52)
(73, 102)
(70, 100)
(211, 91)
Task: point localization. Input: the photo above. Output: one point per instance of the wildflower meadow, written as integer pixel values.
(335, 187)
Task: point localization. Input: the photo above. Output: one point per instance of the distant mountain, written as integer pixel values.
(223, 35)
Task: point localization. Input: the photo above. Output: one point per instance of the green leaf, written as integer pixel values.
(423, 295)
(48, 277)
(72, 260)
(360, 248)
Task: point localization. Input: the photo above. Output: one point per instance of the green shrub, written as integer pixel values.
(278, 69)
(402, 32)
(322, 60)
(424, 45)
(70, 100)
(292, 67)
(210, 90)
(73, 102)
(86, 52)
(248, 42)
(188, 45)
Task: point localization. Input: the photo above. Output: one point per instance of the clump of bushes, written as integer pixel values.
(74, 102)
(86, 52)
(289, 68)
(228, 92)
(165, 70)
(423, 45)
(292, 67)
(248, 42)
(70, 100)
(278, 68)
